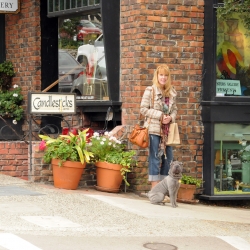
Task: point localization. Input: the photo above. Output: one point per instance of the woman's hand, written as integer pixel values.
(166, 119)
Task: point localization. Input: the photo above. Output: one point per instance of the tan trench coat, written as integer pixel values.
(154, 111)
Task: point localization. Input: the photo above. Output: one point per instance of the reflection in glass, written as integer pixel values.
(81, 37)
(84, 2)
(232, 159)
(233, 58)
(91, 2)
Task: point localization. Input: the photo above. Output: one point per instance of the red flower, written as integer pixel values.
(89, 134)
(42, 146)
(65, 131)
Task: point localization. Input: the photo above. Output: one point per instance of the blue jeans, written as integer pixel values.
(158, 166)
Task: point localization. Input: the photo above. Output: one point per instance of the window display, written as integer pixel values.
(232, 159)
(81, 37)
(233, 57)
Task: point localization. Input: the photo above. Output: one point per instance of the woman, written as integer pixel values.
(159, 115)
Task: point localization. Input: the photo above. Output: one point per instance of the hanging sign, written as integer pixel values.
(9, 6)
(51, 103)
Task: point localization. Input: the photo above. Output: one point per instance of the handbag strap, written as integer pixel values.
(152, 102)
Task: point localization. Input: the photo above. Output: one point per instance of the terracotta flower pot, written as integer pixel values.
(186, 192)
(68, 175)
(108, 176)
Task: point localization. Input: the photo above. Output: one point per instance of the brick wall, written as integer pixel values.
(14, 159)
(171, 32)
(23, 46)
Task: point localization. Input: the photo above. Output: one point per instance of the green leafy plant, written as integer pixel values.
(6, 74)
(186, 179)
(71, 147)
(10, 103)
(226, 10)
(10, 97)
(107, 148)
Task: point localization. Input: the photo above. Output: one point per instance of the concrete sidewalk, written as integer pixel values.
(31, 210)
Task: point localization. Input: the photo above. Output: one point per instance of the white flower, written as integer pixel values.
(114, 146)
(101, 142)
(96, 134)
(90, 144)
(15, 86)
(104, 139)
(110, 143)
(106, 133)
(14, 122)
(15, 95)
(98, 138)
(112, 138)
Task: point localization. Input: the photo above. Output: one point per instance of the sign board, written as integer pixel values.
(228, 87)
(10, 6)
(51, 103)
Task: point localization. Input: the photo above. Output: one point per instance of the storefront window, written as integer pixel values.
(81, 39)
(231, 159)
(233, 58)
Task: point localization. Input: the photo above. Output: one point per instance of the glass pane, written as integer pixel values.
(50, 6)
(81, 38)
(79, 3)
(62, 7)
(91, 2)
(97, 1)
(67, 3)
(56, 5)
(84, 2)
(233, 58)
(232, 159)
(73, 3)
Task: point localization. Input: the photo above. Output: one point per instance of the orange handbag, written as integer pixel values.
(139, 135)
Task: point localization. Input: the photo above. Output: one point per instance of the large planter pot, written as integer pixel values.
(186, 192)
(68, 175)
(108, 176)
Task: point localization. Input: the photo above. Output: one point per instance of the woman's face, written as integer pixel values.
(162, 78)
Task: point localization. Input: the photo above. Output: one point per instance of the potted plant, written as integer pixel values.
(112, 161)
(68, 155)
(11, 99)
(188, 187)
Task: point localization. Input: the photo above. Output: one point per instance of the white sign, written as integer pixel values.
(51, 103)
(228, 87)
(9, 6)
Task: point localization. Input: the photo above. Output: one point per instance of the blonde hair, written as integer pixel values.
(163, 69)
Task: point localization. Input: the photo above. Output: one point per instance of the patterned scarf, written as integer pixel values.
(165, 127)
(164, 130)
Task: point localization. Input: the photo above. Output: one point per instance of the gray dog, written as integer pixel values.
(168, 186)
